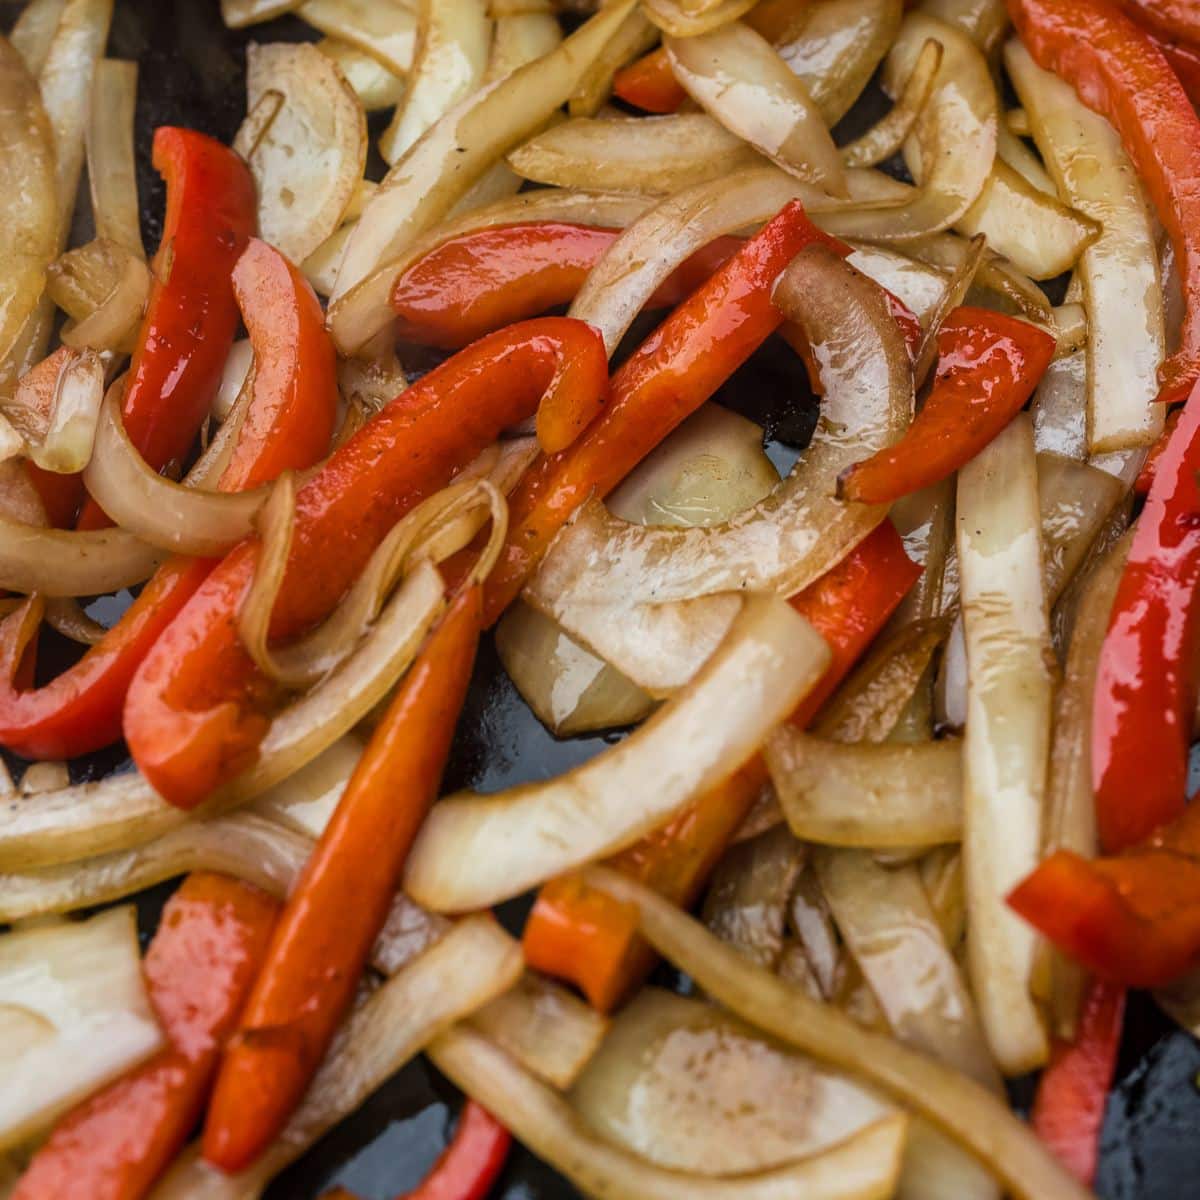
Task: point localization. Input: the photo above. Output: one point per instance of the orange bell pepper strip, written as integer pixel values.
(1118, 71)
(1178, 20)
(288, 425)
(650, 84)
(191, 318)
(489, 278)
(198, 707)
(988, 366)
(1132, 918)
(467, 1168)
(209, 944)
(1146, 682)
(676, 369)
(591, 940)
(1072, 1093)
(341, 900)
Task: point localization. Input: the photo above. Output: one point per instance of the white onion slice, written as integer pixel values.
(34, 30)
(1122, 291)
(475, 962)
(687, 1087)
(384, 29)
(375, 86)
(112, 175)
(645, 155)
(646, 599)
(309, 160)
(735, 74)
(959, 1106)
(682, 19)
(526, 835)
(74, 1015)
(884, 796)
(1007, 731)
(239, 13)
(521, 37)
(113, 326)
(422, 187)
(863, 1168)
(453, 41)
(637, 35)
(1060, 409)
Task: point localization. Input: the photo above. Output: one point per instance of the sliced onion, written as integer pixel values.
(54, 410)
(688, 1088)
(995, 274)
(384, 29)
(113, 325)
(863, 1168)
(551, 1032)
(920, 287)
(975, 1118)
(837, 48)
(238, 366)
(305, 801)
(1070, 808)
(646, 155)
(109, 143)
(983, 21)
(74, 1015)
(1122, 291)
(239, 13)
(375, 86)
(747, 899)
(34, 30)
(1075, 501)
(1037, 233)
(681, 19)
(453, 41)
(65, 615)
(162, 513)
(617, 586)
(526, 835)
(44, 777)
(422, 187)
(954, 293)
(1070, 329)
(308, 162)
(1017, 155)
(122, 811)
(888, 135)
(1059, 409)
(28, 235)
(925, 520)
(956, 133)
(633, 39)
(735, 74)
(475, 962)
(522, 36)
(1009, 689)
(885, 796)
(243, 845)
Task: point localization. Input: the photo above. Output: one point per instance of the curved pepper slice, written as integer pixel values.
(1118, 71)
(1072, 1094)
(191, 318)
(1133, 918)
(988, 366)
(592, 940)
(484, 280)
(1146, 682)
(1175, 19)
(288, 424)
(649, 84)
(675, 370)
(341, 900)
(210, 941)
(198, 707)
(1185, 60)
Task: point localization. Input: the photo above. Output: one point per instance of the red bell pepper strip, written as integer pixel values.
(288, 424)
(676, 369)
(210, 941)
(489, 278)
(988, 366)
(1145, 692)
(1185, 61)
(650, 84)
(341, 900)
(198, 707)
(1132, 918)
(1068, 1109)
(1145, 479)
(467, 1168)
(592, 940)
(60, 494)
(1118, 71)
(191, 318)
(1178, 20)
